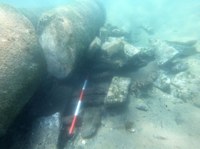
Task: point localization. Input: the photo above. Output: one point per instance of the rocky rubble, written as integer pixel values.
(170, 80)
(116, 54)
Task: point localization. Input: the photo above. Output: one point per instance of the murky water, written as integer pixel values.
(141, 60)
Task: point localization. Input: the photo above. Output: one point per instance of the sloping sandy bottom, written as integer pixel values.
(168, 123)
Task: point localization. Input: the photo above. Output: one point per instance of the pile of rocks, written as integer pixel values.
(114, 52)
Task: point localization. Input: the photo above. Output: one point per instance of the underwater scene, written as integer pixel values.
(99, 74)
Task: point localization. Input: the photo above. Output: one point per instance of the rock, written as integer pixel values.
(94, 47)
(41, 133)
(111, 56)
(141, 105)
(147, 28)
(163, 82)
(164, 53)
(136, 57)
(113, 47)
(129, 50)
(22, 64)
(144, 57)
(91, 122)
(184, 86)
(143, 78)
(66, 32)
(118, 91)
(179, 67)
(185, 48)
(104, 34)
(129, 126)
(45, 132)
(117, 54)
(109, 30)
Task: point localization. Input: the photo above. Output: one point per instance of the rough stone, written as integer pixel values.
(109, 30)
(163, 82)
(184, 86)
(45, 132)
(113, 47)
(118, 91)
(141, 105)
(118, 54)
(22, 64)
(104, 34)
(185, 48)
(162, 47)
(129, 50)
(143, 78)
(94, 47)
(179, 67)
(66, 32)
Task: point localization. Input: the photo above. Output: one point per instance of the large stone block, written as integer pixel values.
(118, 91)
(66, 32)
(21, 64)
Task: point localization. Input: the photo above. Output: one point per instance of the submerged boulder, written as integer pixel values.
(21, 64)
(45, 133)
(66, 32)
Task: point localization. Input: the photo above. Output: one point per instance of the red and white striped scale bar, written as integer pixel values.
(71, 129)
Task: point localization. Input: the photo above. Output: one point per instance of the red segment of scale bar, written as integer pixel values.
(71, 129)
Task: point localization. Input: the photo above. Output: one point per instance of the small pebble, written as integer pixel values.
(83, 142)
(131, 130)
(142, 107)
